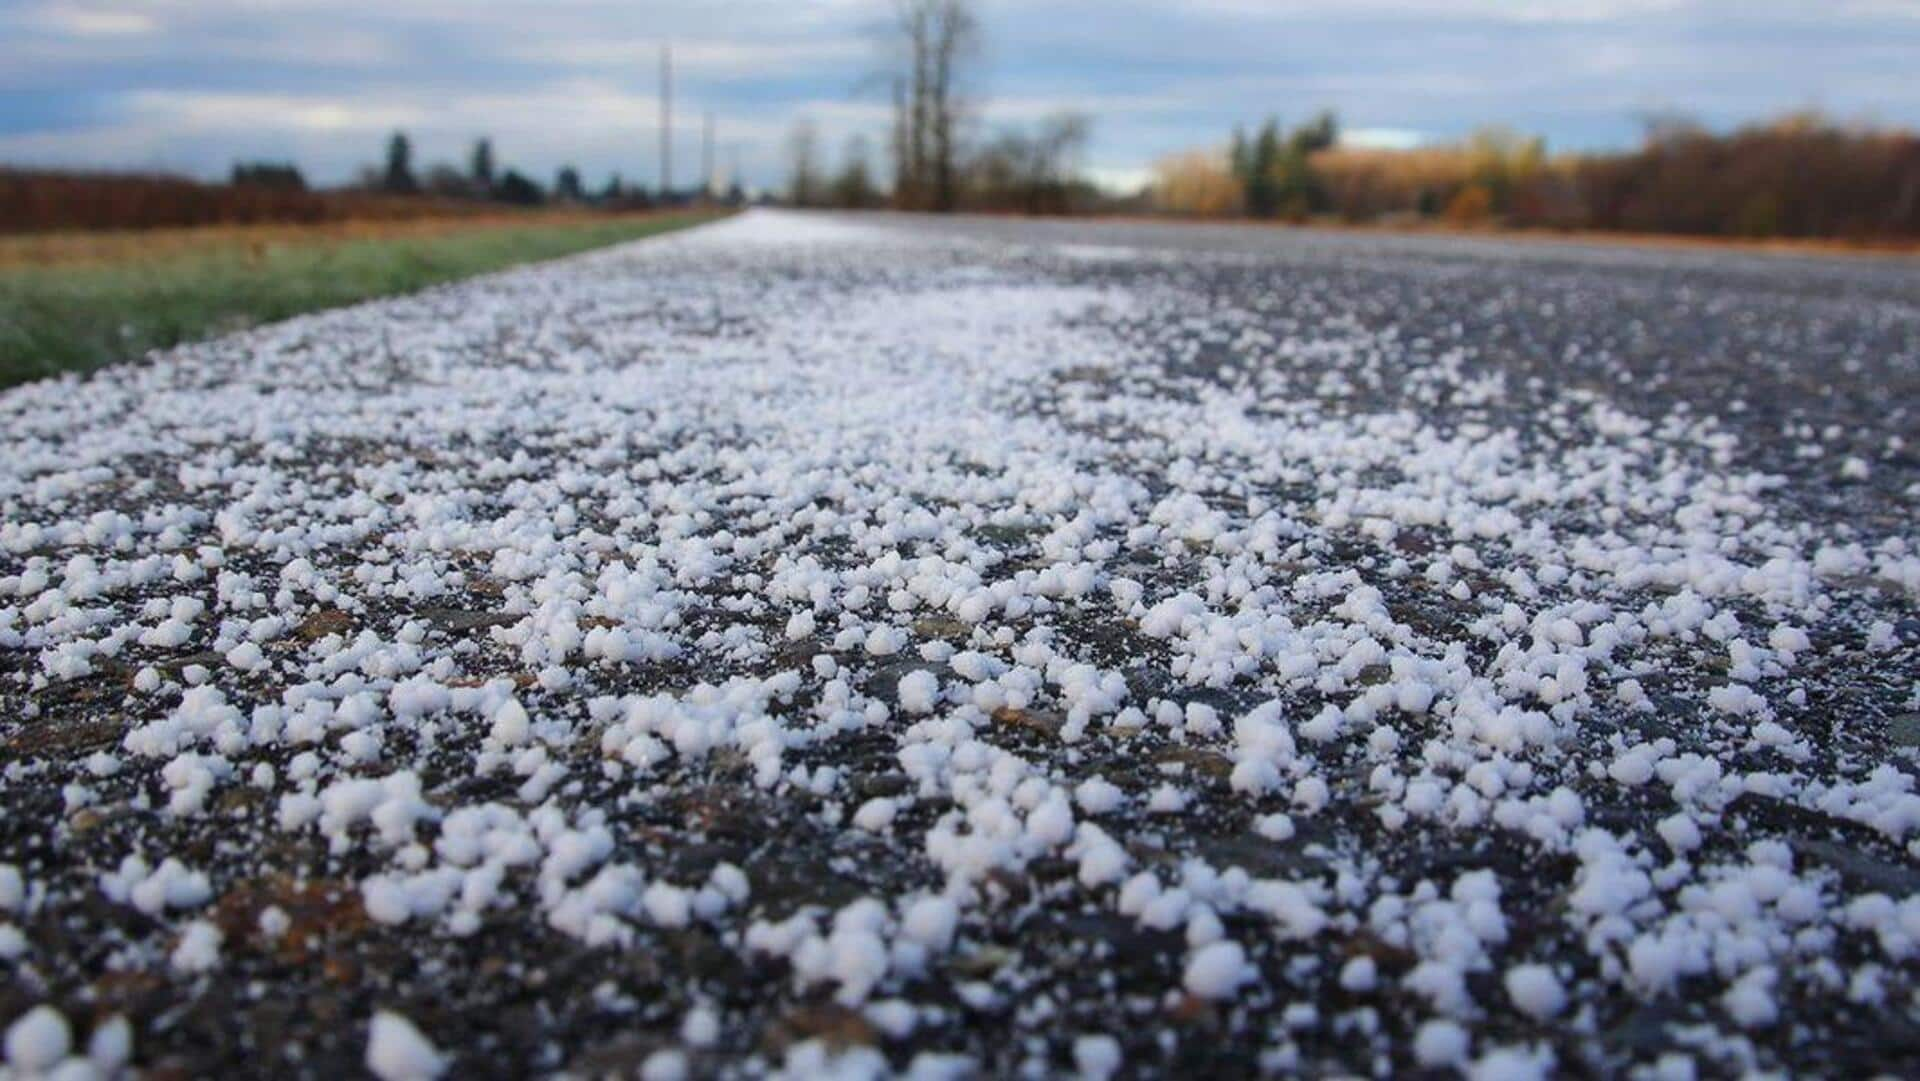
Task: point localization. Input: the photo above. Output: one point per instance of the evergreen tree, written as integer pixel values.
(1319, 134)
(1296, 192)
(483, 164)
(1263, 166)
(517, 189)
(1299, 190)
(399, 178)
(566, 185)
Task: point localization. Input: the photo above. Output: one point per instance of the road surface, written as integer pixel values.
(839, 646)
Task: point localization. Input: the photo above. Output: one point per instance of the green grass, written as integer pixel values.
(77, 316)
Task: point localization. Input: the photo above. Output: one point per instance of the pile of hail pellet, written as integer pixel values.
(824, 649)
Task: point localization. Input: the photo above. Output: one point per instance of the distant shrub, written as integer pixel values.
(280, 176)
(449, 182)
(1196, 183)
(1472, 205)
(1800, 176)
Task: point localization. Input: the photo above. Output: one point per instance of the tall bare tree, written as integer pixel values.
(929, 48)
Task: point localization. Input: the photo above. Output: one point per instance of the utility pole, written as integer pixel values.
(706, 157)
(666, 122)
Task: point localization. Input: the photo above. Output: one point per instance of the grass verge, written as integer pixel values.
(75, 304)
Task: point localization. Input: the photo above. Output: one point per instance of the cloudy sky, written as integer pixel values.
(190, 85)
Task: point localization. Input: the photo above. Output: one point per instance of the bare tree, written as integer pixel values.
(1059, 146)
(803, 164)
(853, 186)
(1033, 173)
(929, 47)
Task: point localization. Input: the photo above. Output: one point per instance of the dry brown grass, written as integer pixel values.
(77, 248)
(1196, 183)
(1398, 174)
(34, 201)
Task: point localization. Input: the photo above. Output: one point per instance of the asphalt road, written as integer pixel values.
(840, 646)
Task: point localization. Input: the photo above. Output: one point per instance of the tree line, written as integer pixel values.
(481, 180)
(484, 179)
(1800, 175)
(260, 192)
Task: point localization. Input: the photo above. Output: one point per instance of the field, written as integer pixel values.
(817, 646)
(73, 302)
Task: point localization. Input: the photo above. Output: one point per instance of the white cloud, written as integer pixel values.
(94, 20)
(699, 57)
(1383, 138)
(244, 113)
(1121, 179)
(1514, 11)
(1022, 109)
